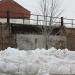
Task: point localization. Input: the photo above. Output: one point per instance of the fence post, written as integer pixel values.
(37, 19)
(62, 22)
(8, 17)
(61, 27)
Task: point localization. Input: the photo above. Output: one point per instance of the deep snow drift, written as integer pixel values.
(37, 62)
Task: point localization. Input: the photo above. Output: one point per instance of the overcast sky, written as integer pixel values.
(67, 5)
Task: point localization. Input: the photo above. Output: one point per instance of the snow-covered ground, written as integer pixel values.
(37, 62)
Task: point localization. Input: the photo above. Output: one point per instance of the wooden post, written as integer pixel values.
(37, 19)
(61, 21)
(61, 27)
(8, 17)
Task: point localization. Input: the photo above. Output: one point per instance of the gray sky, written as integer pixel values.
(67, 5)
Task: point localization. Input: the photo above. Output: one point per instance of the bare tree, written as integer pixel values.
(49, 9)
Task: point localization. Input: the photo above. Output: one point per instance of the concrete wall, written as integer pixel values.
(70, 35)
(7, 38)
(4, 36)
(28, 42)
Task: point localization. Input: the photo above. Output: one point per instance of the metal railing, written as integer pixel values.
(34, 19)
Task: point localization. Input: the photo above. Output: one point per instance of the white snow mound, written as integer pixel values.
(37, 62)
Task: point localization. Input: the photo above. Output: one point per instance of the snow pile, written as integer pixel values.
(37, 62)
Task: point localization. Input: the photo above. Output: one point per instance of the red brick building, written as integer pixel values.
(15, 10)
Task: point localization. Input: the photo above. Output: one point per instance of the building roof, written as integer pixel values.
(15, 10)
